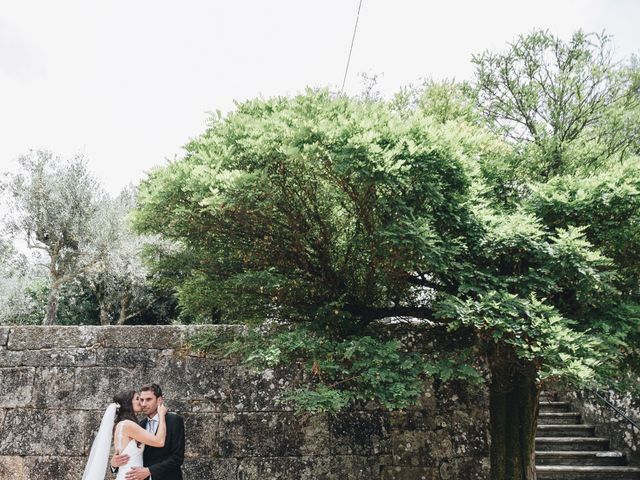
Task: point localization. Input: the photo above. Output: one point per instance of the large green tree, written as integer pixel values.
(572, 116)
(331, 214)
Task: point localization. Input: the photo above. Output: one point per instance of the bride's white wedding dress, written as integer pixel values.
(98, 460)
(131, 449)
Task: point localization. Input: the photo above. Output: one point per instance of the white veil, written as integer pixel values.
(101, 448)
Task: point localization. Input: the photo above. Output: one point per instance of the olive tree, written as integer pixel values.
(117, 275)
(51, 202)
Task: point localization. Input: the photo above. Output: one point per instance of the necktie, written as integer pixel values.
(151, 426)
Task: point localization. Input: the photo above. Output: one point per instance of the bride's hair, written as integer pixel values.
(125, 408)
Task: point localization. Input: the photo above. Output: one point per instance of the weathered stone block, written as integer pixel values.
(286, 468)
(17, 386)
(357, 467)
(10, 358)
(426, 448)
(226, 435)
(203, 434)
(410, 473)
(127, 357)
(412, 420)
(41, 432)
(171, 374)
(59, 468)
(469, 432)
(360, 433)
(68, 357)
(211, 468)
(92, 419)
(12, 467)
(154, 336)
(54, 387)
(251, 391)
(207, 382)
(451, 395)
(4, 336)
(308, 468)
(37, 337)
(270, 434)
(315, 432)
(146, 337)
(467, 468)
(96, 386)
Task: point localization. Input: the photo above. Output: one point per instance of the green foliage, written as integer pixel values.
(24, 301)
(310, 208)
(326, 214)
(80, 238)
(456, 365)
(339, 371)
(318, 399)
(51, 203)
(534, 330)
(605, 205)
(566, 104)
(27, 302)
(444, 102)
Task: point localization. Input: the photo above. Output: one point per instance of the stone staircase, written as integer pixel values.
(567, 449)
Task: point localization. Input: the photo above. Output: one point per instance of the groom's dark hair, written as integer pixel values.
(152, 387)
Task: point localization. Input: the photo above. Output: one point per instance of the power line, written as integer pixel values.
(355, 28)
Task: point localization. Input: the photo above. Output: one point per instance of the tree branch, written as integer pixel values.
(369, 314)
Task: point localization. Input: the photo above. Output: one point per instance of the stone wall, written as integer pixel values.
(623, 436)
(56, 381)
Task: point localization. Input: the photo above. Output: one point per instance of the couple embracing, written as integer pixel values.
(152, 448)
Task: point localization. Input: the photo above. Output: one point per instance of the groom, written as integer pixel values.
(159, 463)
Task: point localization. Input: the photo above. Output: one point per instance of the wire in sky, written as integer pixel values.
(355, 28)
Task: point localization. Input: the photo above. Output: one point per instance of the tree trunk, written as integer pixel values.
(103, 302)
(124, 308)
(52, 303)
(104, 314)
(514, 417)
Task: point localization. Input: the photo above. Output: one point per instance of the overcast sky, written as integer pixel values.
(127, 83)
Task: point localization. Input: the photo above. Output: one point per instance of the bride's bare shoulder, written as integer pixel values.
(129, 425)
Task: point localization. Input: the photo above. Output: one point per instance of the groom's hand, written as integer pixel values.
(137, 473)
(119, 460)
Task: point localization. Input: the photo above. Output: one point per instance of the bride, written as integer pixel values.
(119, 422)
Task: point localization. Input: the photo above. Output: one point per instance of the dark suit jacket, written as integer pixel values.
(164, 463)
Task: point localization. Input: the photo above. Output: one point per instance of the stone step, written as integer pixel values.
(551, 407)
(566, 472)
(581, 458)
(559, 418)
(564, 444)
(566, 431)
(548, 396)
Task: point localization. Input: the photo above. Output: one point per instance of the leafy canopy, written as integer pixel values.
(329, 213)
(567, 104)
(313, 209)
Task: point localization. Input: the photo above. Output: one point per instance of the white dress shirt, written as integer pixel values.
(152, 427)
(153, 421)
